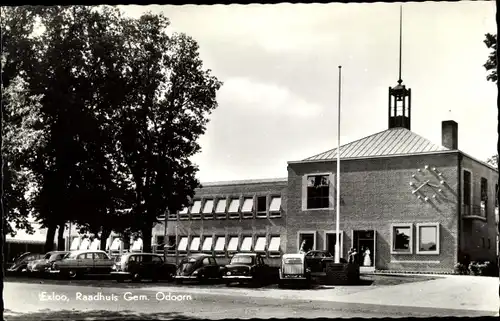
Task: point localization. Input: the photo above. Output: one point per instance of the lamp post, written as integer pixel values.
(337, 218)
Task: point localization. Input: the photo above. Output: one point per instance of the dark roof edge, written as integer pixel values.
(378, 156)
(480, 161)
(246, 182)
(451, 151)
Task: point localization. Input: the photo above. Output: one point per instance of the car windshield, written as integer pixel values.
(48, 256)
(242, 259)
(57, 256)
(189, 260)
(71, 255)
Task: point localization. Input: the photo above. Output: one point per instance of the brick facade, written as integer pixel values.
(479, 231)
(269, 226)
(376, 195)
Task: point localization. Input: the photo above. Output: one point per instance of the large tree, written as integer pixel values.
(20, 110)
(491, 62)
(170, 98)
(122, 105)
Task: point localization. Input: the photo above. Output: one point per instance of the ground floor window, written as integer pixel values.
(260, 244)
(183, 243)
(246, 244)
(330, 240)
(170, 246)
(428, 238)
(207, 244)
(195, 244)
(306, 241)
(232, 246)
(402, 239)
(274, 246)
(220, 245)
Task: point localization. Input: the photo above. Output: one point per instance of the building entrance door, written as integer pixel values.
(364, 242)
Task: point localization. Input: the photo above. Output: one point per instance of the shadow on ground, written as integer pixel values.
(92, 315)
(107, 281)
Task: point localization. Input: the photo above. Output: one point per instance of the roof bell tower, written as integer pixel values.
(399, 95)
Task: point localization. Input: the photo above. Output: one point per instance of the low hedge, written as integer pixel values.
(482, 268)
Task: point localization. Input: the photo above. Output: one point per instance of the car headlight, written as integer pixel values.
(228, 273)
(195, 273)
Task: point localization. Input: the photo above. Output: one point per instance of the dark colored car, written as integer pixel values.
(44, 264)
(138, 266)
(249, 268)
(78, 263)
(198, 267)
(21, 263)
(316, 260)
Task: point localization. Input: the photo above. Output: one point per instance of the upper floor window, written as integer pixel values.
(183, 214)
(208, 209)
(220, 210)
(247, 208)
(275, 207)
(234, 207)
(195, 210)
(467, 191)
(318, 191)
(484, 196)
(496, 195)
(261, 206)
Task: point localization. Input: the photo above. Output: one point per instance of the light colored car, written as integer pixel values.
(294, 270)
(78, 263)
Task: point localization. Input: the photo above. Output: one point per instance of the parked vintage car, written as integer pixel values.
(138, 266)
(316, 260)
(294, 270)
(78, 263)
(249, 268)
(198, 267)
(44, 264)
(21, 263)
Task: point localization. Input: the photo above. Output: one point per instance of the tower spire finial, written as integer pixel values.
(400, 40)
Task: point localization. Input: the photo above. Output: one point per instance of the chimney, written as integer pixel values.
(450, 134)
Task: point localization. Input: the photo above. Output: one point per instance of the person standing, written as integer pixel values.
(366, 257)
(303, 247)
(352, 255)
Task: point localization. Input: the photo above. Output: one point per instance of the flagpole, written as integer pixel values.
(337, 219)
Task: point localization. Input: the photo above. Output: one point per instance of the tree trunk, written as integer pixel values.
(104, 238)
(61, 242)
(147, 233)
(126, 241)
(49, 241)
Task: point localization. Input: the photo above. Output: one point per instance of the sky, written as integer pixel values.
(279, 65)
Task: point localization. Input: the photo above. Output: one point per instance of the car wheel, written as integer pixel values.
(72, 274)
(136, 277)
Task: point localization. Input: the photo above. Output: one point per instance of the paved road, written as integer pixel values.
(42, 301)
